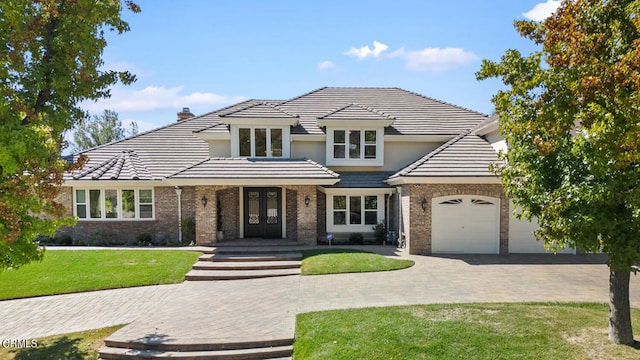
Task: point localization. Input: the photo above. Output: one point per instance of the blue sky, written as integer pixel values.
(209, 54)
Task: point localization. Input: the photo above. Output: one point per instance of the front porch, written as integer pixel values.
(248, 215)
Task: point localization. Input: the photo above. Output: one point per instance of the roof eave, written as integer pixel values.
(403, 180)
(272, 121)
(355, 122)
(251, 181)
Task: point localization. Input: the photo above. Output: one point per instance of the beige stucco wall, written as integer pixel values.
(219, 148)
(313, 150)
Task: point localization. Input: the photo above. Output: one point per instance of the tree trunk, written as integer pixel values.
(620, 330)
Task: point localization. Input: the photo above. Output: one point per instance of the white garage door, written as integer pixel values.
(521, 238)
(465, 224)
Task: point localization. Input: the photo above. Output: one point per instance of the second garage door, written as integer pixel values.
(465, 224)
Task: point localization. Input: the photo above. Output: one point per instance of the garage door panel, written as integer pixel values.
(521, 238)
(465, 224)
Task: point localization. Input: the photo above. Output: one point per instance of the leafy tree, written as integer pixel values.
(570, 117)
(101, 129)
(50, 61)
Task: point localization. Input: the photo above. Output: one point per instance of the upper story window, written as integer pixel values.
(352, 147)
(122, 204)
(266, 142)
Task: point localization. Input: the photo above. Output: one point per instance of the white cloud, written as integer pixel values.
(326, 65)
(434, 59)
(542, 10)
(365, 52)
(151, 98)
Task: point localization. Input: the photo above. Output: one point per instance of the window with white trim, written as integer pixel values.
(355, 144)
(260, 142)
(355, 210)
(355, 147)
(114, 204)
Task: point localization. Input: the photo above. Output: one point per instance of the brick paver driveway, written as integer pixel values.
(272, 303)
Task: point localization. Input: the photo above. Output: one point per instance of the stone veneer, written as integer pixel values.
(165, 226)
(417, 222)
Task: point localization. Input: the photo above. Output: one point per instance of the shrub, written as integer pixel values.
(144, 239)
(102, 238)
(188, 226)
(356, 239)
(63, 240)
(380, 232)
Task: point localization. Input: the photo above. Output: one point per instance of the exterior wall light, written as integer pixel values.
(204, 200)
(307, 200)
(423, 203)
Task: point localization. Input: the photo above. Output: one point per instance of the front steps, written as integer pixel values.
(274, 349)
(237, 263)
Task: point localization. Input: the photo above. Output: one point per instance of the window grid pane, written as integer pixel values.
(81, 204)
(146, 204)
(111, 204)
(276, 142)
(95, 204)
(260, 142)
(354, 144)
(355, 210)
(244, 135)
(128, 204)
(339, 144)
(340, 202)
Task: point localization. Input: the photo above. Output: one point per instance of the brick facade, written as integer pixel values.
(306, 215)
(417, 222)
(164, 228)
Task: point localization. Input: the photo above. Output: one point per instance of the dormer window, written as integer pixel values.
(355, 135)
(361, 144)
(260, 142)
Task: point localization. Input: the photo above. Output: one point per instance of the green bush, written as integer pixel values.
(380, 232)
(188, 227)
(356, 239)
(63, 240)
(144, 239)
(102, 238)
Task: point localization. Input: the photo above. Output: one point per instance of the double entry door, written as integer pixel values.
(263, 212)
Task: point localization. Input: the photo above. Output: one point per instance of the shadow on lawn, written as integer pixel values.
(387, 250)
(62, 348)
(527, 259)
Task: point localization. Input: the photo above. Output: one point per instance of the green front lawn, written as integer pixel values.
(467, 331)
(75, 346)
(69, 271)
(337, 261)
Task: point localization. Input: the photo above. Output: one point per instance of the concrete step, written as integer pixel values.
(276, 352)
(204, 275)
(245, 265)
(252, 257)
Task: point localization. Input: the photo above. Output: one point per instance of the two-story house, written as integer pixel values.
(332, 161)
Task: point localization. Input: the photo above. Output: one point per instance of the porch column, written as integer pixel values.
(206, 214)
(307, 216)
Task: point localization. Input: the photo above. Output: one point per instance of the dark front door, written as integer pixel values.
(263, 212)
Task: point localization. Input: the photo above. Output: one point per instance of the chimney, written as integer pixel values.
(185, 114)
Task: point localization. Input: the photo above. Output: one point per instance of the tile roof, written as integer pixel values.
(164, 151)
(466, 155)
(355, 111)
(252, 168)
(259, 110)
(414, 113)
(123, 166)
(363, 179)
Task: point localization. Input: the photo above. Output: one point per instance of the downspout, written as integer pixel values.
(179, 193)
(400, 213)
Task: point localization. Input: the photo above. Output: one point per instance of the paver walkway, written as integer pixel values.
(266, 308)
